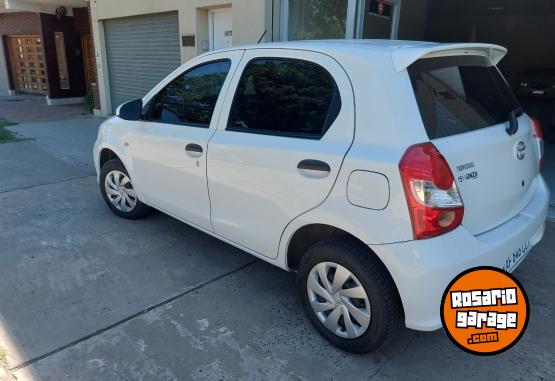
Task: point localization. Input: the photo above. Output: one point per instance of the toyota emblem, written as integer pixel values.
(520, 150)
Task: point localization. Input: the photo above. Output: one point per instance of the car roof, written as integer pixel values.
(401, 52)
(334, 45)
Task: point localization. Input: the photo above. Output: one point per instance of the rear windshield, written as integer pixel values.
(460, 94)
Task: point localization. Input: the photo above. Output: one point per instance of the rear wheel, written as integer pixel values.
(348, 295)
(118, 191)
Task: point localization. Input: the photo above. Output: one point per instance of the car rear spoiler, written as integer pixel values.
(404, 56)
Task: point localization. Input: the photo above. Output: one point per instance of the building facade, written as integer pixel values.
(130, 45)
(47, 49)
(139, 42)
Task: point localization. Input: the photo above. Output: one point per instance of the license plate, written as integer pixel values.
(538, 92)
(517, 256)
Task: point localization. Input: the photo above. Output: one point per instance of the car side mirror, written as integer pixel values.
(132, 110)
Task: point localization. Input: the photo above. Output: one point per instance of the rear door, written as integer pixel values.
(465, 104)
(279, 144)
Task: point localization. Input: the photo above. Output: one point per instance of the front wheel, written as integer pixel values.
(348, 295)
(118, 191)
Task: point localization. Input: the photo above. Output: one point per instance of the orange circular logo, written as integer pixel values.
(485, 310)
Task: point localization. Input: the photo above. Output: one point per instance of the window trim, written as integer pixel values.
(278, 133)
(152, 101)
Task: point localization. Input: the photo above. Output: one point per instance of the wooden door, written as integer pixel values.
(27, 64)
(87, 45)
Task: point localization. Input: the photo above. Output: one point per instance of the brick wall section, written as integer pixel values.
(19, 23)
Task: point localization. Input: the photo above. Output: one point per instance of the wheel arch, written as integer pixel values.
(107, 151)
(307, 236)
(313, 233)
(107, 154)
(310, 234)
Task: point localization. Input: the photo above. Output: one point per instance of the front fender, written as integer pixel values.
(113, 135)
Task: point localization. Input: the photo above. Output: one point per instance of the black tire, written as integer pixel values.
(386, 310)
(139, 211)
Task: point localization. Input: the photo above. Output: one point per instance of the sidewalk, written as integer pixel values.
(32, 108)
(67, 131)
(85, 295)
(71, 139)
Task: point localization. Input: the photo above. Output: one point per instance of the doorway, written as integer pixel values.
(87, 46)
(221, 28)
(27, 64)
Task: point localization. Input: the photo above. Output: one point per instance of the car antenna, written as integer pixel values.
(261, 37)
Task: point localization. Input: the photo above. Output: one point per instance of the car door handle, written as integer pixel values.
(314, 168)
(193, 149)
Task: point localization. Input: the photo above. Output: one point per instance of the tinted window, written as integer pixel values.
(190, 99)
(460, 94)
(285, 97)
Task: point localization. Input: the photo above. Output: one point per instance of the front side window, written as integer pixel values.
(285, 97)
(190, 99)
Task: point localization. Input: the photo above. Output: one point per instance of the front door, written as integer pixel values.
(27, 64)
(169, 148)
(278, 147)
(221, 31)
(87, 45)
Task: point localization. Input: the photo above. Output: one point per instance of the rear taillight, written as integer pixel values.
(538, 137)
(432, 195)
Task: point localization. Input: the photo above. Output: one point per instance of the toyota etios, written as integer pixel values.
(377, 170)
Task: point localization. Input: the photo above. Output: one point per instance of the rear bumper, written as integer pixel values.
(423, 269)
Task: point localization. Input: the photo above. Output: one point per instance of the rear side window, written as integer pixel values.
(285, 97)
(460, 94)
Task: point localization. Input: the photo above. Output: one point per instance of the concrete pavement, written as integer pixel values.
(85, 295)
(33, 109)
(69, 140)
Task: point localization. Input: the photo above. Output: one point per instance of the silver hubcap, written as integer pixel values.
(120, 191)
(338, 300)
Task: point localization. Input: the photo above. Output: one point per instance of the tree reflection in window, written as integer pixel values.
(317, 19)
(286, 97)
(190, 99)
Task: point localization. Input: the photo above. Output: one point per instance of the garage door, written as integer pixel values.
(140, 52)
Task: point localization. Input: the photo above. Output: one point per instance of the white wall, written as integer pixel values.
(250, 19)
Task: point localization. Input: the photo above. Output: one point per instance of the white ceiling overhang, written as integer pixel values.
(40, 6)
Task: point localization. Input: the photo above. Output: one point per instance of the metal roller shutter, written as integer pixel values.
(140, 52)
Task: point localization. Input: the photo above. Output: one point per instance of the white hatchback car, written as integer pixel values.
(378, 170)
